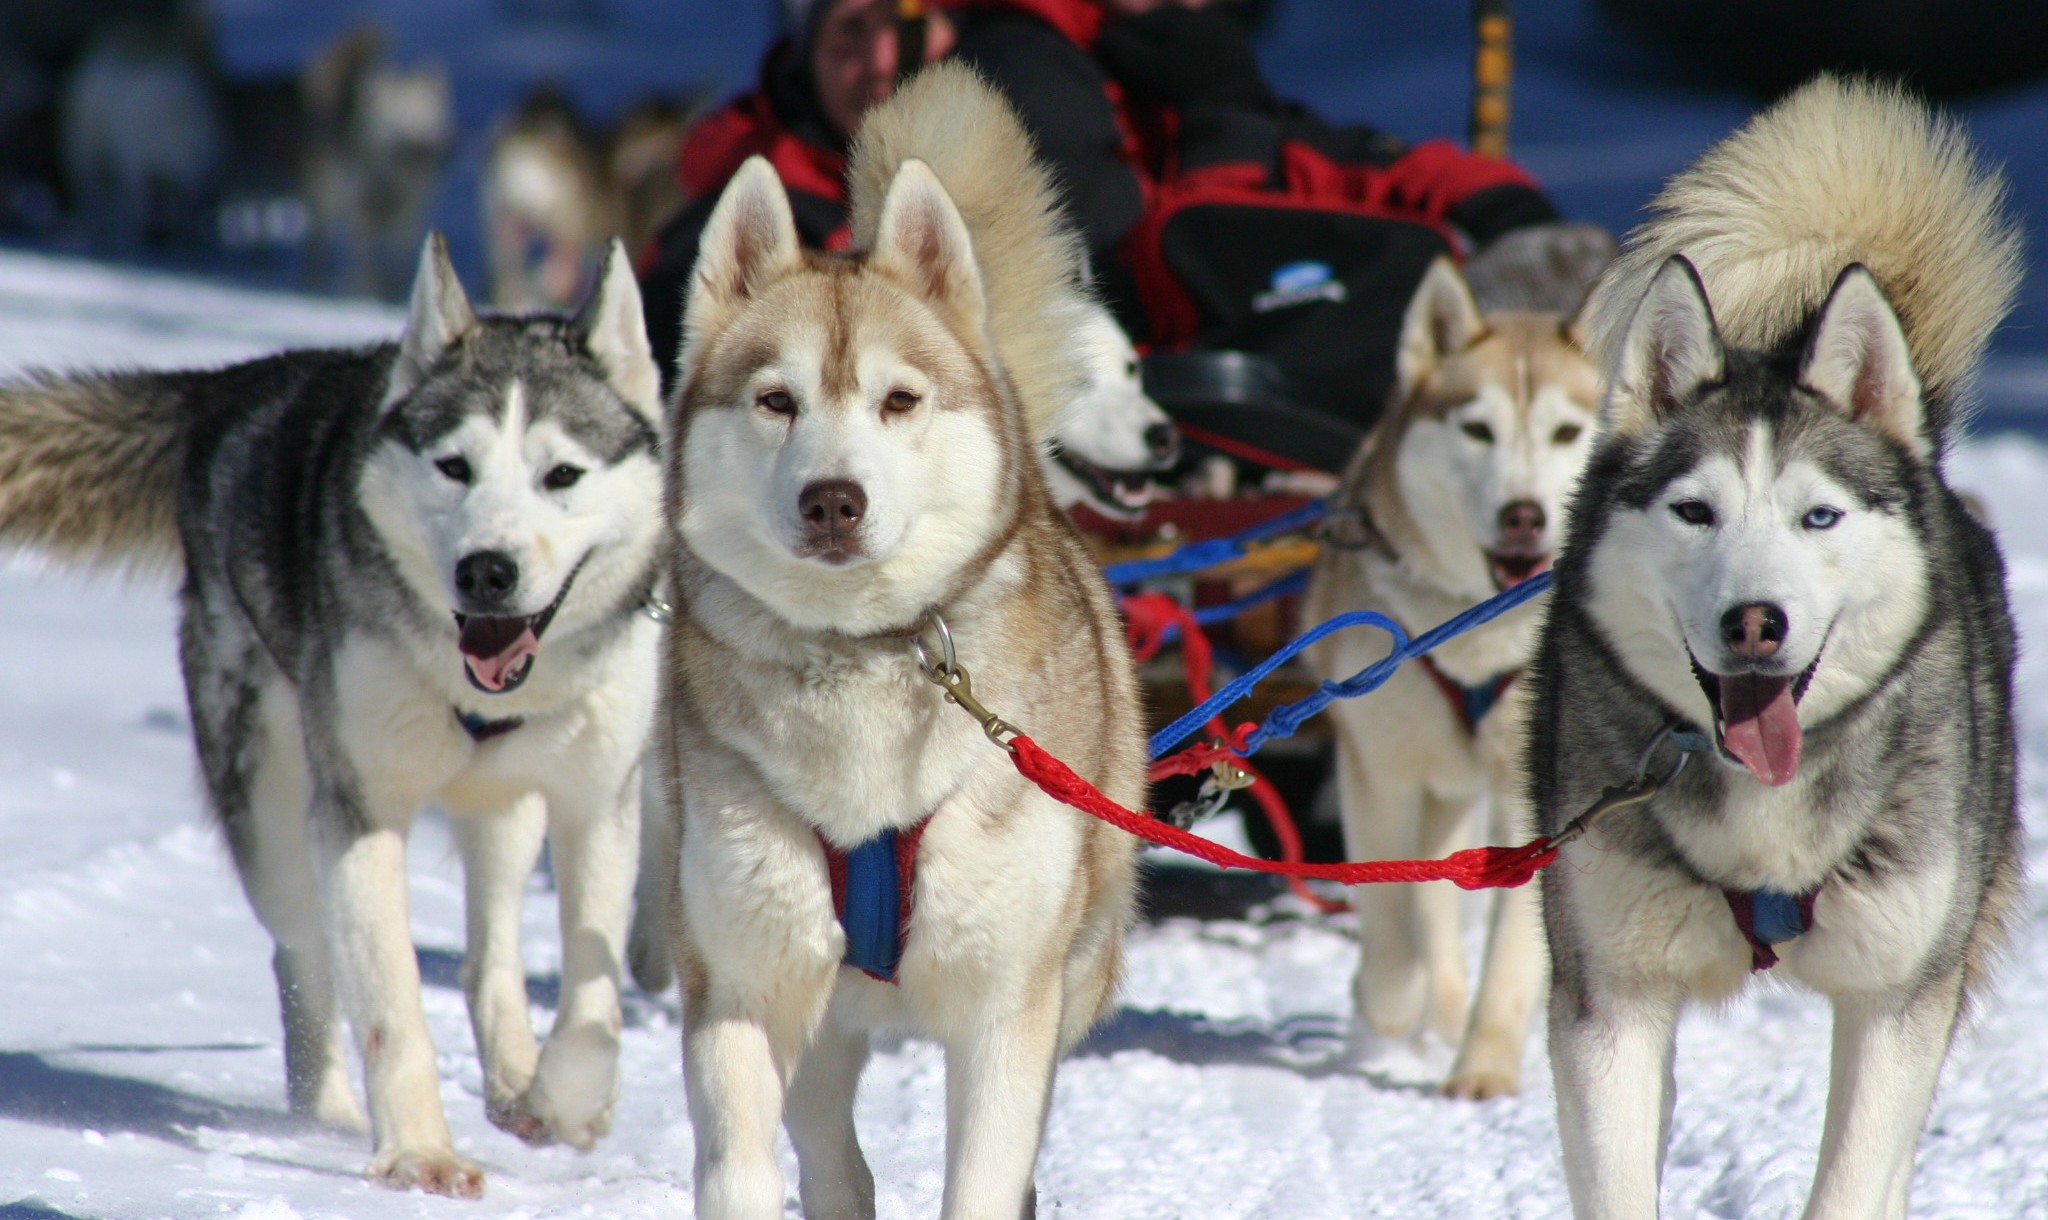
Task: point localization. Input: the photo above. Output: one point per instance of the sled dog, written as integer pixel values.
(1106, 445)
(856, 460)
(377, 135)
(555, 191)
(1457, 494)
(1112, 438)
(1766, 579)
(412, 572)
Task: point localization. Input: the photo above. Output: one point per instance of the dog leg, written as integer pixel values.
(1440, 915)
(367, 919)
(499, 849)
(1511, 980)
(833, 1179)
(595, 847)
(998, 1086)
(1887, 1060)
(735, 1081)
(647, 944)
(1612, 1055)
(1382, 812)
(261, 790)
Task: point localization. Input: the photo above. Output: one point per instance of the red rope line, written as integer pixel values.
(1147, 618)
(1474, 868)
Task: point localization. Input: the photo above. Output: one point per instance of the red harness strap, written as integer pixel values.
(1471, 703)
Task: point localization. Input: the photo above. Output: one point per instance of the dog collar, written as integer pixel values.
(871, 887)
(481, 730)
(1768, 918)
(1471, 703)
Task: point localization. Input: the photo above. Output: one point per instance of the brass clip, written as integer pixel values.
(961, 691)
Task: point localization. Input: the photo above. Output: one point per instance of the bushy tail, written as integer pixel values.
(1842, 171)
(1030, 258)
(89, 467)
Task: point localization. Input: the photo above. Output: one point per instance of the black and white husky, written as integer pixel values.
(1766, 575)
(413, 572)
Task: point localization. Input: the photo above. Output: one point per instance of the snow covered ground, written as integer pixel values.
(140, 1065)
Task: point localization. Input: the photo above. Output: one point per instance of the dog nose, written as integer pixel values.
(1753, 630)
(486, 578)
(832, 506)
(1162, 441)
(1522, 521)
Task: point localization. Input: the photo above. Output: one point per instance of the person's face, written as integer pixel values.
(853, 57)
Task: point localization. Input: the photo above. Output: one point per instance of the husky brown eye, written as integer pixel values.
(1479, 432)
(561, 477)
(900, 401)
(455, 468)
(779, 402)
(1566, 434)
(1694, 512)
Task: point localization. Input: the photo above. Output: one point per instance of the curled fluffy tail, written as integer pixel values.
(89, 467)
(1839, 172)
(1030, 258)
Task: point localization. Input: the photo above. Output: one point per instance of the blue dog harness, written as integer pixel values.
(1471, 703)
(481, 730)
(871, 886)
(1770, 917)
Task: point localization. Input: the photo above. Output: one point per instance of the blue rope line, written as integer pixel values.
(1212, 551)
(1293, 582)
(1287, 719)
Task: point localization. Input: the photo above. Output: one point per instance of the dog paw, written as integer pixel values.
(332, 1105)
(572, 1092)
(1486, 1068)
(1481, 1086)
(438, 1172)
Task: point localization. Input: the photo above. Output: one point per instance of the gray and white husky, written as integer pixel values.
(413, 572)
(1766, 575)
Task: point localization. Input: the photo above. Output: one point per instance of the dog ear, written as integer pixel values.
(439, 315)
(614, 331)
(922, 240)
(749, 242)
(1442, 319)
(1671, 349)
(1858, 360)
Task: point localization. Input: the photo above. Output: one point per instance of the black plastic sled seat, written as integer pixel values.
(1240, 403)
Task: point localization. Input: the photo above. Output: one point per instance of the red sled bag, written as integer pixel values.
(1288, 294)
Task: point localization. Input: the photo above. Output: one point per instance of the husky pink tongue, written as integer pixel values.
(1760, 726)
(496, 648)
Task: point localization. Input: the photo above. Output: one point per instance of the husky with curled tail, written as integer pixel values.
(1768, 587)
(412, 572)
(855, 483)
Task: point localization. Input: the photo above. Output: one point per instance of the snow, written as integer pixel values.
(141, 1073)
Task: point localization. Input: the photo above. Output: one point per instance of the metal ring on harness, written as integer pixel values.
(947, 667)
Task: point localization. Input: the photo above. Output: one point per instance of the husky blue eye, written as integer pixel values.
(1821, 517)
(455, 468)
(562, 476)
(1694, 512)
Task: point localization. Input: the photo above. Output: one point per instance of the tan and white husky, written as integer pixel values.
(857, 452)
(1456, 495)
